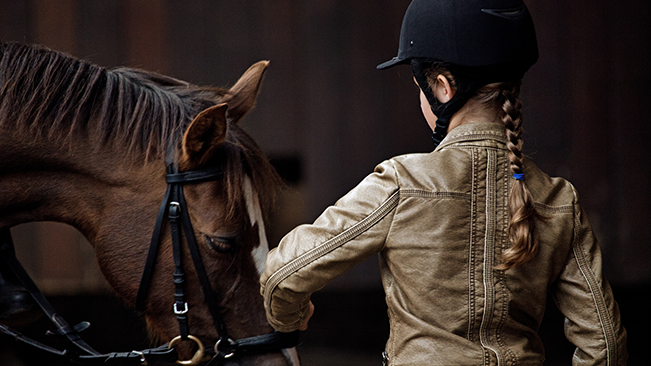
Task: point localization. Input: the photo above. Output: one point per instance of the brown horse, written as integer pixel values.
(86, 146)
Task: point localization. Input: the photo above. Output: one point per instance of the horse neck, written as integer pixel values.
(77, 184)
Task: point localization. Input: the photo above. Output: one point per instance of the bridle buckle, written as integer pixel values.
(174, 210)
(181, 312)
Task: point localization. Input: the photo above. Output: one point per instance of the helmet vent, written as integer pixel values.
(512, 14)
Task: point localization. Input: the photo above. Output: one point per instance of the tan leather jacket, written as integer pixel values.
(439, 223)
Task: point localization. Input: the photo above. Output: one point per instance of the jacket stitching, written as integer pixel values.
(553, 209)
(500, 287)
(597, 295)
(471, 250)
(489, 243)
(473, 136)
(467, 145)
(413, 192)
(396, 178)
(330, 245)
(391, 343)
(504, 241)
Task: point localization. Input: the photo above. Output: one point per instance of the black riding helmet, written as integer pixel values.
(479, 41)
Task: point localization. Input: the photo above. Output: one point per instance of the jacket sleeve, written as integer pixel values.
(584, 296)
(311, 255)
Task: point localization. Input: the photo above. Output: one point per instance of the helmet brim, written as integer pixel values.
(393, 62)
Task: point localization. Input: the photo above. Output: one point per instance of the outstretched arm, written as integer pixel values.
(310, 256)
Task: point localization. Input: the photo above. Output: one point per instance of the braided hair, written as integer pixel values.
(522, 228)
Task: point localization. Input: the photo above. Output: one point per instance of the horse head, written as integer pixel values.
(227, 219)
(98, 149)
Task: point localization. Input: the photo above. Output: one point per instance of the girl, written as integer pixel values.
(473, 236)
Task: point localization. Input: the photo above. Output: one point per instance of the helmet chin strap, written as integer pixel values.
(443, 111)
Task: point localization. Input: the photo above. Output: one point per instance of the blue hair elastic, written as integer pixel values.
(518, 176)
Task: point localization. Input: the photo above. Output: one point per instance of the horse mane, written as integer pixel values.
(54, 95)
(50, 94)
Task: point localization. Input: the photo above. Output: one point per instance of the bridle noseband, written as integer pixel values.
(173, 207)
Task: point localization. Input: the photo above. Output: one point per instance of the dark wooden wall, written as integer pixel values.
(589, 119)
(329, 117)
(325, 106)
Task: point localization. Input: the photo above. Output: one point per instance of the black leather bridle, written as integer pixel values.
(177, 213)
(174, 208)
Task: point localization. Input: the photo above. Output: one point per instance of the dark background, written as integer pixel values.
(326, 117)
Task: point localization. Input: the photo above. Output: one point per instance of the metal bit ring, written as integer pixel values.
(198, 356)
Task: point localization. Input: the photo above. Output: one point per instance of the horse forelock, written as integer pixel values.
(49, 94)
(244, 160)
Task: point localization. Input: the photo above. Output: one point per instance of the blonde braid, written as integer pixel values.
(512, 119)
(522, 227)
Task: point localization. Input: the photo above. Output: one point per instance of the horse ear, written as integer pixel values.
(243, 94)
(205, 132)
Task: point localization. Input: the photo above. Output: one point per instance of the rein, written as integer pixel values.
(173, 207)
(89, 355)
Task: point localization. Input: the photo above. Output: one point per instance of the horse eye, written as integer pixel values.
(221, 244)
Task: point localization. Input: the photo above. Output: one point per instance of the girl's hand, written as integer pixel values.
(309, 315)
